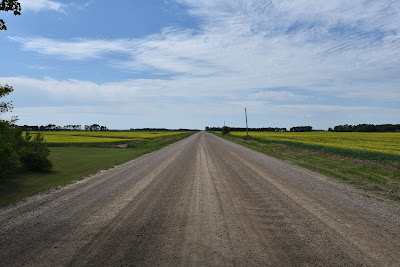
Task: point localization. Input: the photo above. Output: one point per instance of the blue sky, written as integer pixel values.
(197, 63)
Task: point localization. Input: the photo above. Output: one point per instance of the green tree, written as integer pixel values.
(10, 142)
(9, 5)
(5, 91)
(225, 130)
(34, 153)
(9, 138)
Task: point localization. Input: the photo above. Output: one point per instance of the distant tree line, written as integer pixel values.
(93, 127)
(161, 130)
(53, 127)
(366, 128)
(239, 129)
(301, 129)
(338, 128)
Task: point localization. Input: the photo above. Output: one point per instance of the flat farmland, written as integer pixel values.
(386, 143)
(87, 138)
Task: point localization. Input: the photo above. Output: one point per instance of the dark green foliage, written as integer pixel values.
(367, 128)
(301, 129)
(95, 127)
(225, 130)
(34, 153)
(9, 5)
(4, 91)
(10, 141)
(9, 138)
(17, 152)
(240, 129)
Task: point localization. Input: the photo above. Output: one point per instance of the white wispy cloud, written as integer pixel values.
(278, 96)
(39, 5)
(83, 90)
(341, 45)
(250, 63)
(77, 49)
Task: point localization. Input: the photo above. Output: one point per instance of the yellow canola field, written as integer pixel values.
(376, 142)
(98, 137)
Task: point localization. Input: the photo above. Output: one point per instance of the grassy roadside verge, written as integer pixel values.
(374, 176)
(74, 163)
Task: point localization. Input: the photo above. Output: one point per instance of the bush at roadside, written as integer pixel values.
(225, 130)
(17, 152)
(34, 153)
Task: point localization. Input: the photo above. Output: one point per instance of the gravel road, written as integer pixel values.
(202, 201)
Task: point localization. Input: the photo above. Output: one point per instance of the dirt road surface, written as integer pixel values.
(202, 202)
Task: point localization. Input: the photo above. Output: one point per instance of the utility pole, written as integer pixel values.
(247, 126)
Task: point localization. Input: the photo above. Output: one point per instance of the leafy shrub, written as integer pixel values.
(225, 130)
(10, 141)
(17, 151)
(34, 153)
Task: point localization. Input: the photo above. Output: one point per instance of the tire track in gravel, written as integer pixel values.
(202, 201)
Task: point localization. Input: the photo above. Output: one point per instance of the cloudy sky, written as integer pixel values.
(192, 63)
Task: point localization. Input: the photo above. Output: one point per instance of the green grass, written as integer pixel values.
(74, 163)
(366, 174)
